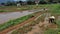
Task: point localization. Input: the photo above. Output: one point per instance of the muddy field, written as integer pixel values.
(4, 17)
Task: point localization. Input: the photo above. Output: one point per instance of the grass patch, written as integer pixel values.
(54, 9)
(14, 22)
(51, 31)
(14, 8)
(4, 11)
(25, 28)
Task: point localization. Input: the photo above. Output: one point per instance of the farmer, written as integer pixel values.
(52, 19)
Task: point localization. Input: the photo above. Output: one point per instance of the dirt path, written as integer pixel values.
(42, 26)
(39, 28)
(19, 25)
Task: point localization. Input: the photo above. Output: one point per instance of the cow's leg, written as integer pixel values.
(50, 21)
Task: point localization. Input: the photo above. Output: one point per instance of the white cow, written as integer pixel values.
(18, 4)
(52, 19)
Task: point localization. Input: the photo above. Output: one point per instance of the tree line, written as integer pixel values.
(30, 2)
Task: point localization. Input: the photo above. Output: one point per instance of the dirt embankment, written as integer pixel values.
(19, 25)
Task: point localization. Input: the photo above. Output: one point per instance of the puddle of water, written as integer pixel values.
(4, 17)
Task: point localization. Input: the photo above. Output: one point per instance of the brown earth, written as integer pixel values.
(42, 26)
(19, 25)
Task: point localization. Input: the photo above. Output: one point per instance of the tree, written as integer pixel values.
(2, 3)
(42, 2)
(9, 3)
(50, 1)
(29, 2)
(20, 2)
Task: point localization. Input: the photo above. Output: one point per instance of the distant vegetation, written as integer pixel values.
(53, 8)
(22, 8)
(30, 2)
